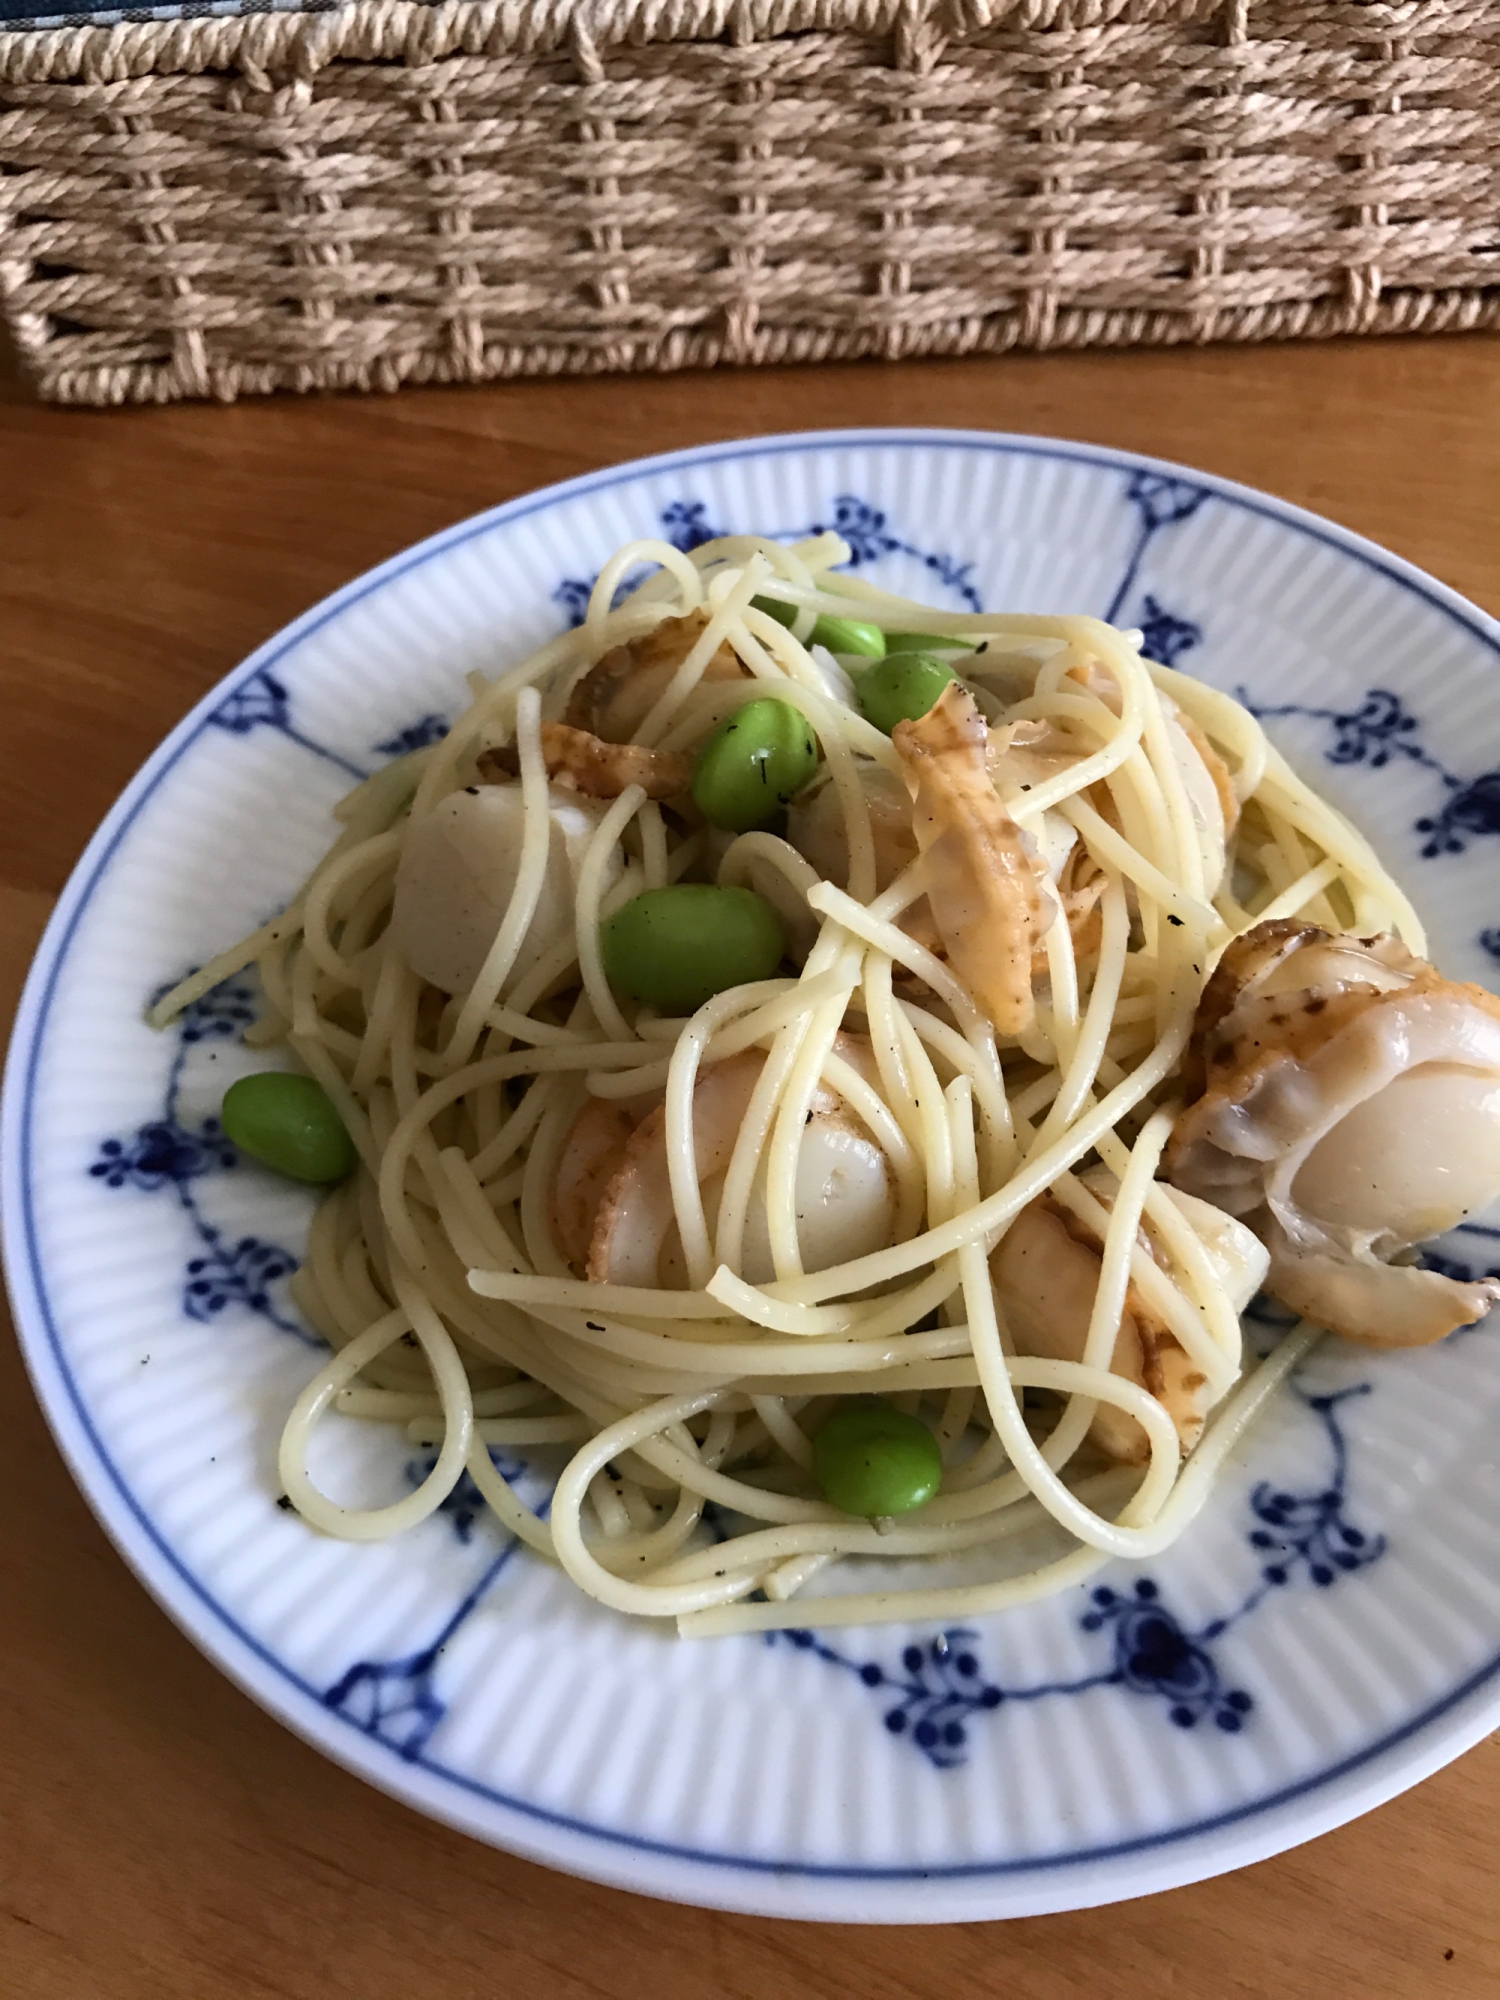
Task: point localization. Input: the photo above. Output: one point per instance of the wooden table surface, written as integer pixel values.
(160, 1837)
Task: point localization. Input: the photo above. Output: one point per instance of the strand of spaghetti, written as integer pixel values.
(1294, 899)
(982, 1066)
(785, 1149)
(793, 1016)
(880, 1122)
(678, 1107)
(590, 887)
(370, 855)
(567, 1535)
(783, 1427)
(1118, 1253)
(768, 1006)
(863, 923)
(530, 871)
(1195, 1323)
(1108, 846)
(1286, 793)
(896, 1542)
(728, 1360)
(380, 999)
(728, 595)
(1000, 1376)
(511, 1512)
(1090, 770)
(654, 857)
(649, 549)
(376, 1523)
(549, 974)
(886, 1042)
(1099, 1015)
(1222, 718)
(403, 1406)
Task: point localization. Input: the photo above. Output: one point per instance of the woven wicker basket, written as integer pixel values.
(393, 192)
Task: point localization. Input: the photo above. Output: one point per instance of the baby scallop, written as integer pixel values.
(1045, 1270)
(458, 871)
(1347, 1105)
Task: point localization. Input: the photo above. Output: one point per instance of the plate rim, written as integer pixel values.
(762, 1885)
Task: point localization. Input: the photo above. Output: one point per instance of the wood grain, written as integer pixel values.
(160, 1837)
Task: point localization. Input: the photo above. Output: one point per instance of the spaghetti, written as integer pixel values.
(485, 1278)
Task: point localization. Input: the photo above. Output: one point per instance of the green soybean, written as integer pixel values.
(675, 948)
(752, 765)
(778, 608)
(901, 687)
(872, 1459)
(849, 635)
(926, 642)
(288, 1123)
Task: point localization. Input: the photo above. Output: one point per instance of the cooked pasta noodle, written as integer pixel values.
(689, 1390)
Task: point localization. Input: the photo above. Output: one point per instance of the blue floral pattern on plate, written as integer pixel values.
(164, 1154)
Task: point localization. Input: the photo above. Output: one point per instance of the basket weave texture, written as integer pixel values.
(395, 192)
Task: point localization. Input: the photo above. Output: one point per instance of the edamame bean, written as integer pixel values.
(288, 1123)
(872, 1459)
(753, 763)
(777, 608)
(926, 642)
(849, 635)
(901, 687)
(675, 948)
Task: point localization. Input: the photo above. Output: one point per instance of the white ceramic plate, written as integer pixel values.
(1327, 1634)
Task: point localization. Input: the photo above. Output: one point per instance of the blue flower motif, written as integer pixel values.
(397, 1701)
(1490, 941)
(162, 1154)
(1382, 728)
(1163, 500)
(939, 1687)
(1473, 808)
(1155, 1656)
(262, 699)
(419, 735)
(239, 1273)
(167, 1153)
(394, 1700)
(221, 1014)
(686, 525)
(1166, 638)
(1309, 1533)
(864, 528)
(573, 594)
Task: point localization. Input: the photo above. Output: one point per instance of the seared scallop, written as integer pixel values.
(1347, 1105)
(1045, 1271)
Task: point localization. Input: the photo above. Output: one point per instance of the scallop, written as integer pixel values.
(1045, 1271)
(458, 871)
(613, 1212)
(815, 825)
(1346, 1103)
